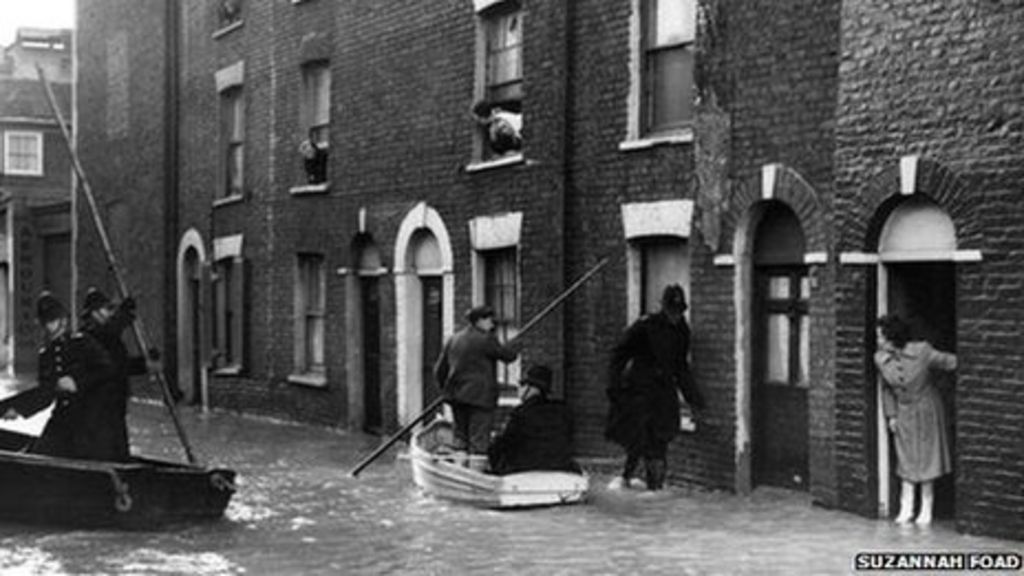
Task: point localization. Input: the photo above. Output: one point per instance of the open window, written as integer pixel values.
(499, 105)
(229, 283)
(233, 141)
(315, 118)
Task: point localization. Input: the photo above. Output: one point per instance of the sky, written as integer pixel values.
(15, 14)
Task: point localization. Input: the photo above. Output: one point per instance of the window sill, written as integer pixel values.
(673, 139)
(224, 31)
(311, 380)
(510, 160)
(310, 189)
(22, 174)
(228, 371)
(228, 200)
(299, 1)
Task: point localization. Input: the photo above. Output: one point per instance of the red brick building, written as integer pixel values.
(799, 168)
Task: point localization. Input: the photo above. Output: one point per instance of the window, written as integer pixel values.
(668, 32)
(310, 289)
(663, 260)
(501, 292)
(233, 134)
(316, 119)
(499, 108)
(23, 153)
(229, 309)
(786, 325)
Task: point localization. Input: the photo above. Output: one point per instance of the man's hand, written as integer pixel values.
(892, 424)
(67, 384)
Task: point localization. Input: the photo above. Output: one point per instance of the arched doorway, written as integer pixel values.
(917, 281)
(191, 335)
(780, 350)
(424, 303)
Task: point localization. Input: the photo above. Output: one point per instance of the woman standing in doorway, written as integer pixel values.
(914, 412)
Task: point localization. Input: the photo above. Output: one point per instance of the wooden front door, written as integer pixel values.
(369, 289)
(779, 399)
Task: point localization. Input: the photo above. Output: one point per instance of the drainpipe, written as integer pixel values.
(567, 182)
(172, 30)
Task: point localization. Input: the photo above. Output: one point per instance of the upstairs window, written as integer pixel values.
(23, 153)
(316, 120)
(668, 34)
(498, 109)
(233, 137)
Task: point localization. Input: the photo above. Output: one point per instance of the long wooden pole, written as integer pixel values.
(137, 328)
(532, 322)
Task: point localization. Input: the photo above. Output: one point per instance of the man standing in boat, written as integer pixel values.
(72, 368)
(465, 372)
(538, 434)
(649, 368)
(108, 408)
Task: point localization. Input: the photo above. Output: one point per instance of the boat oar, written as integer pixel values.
(137, 327)
(438, 401)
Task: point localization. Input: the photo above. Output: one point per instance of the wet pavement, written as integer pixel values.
(297, 511)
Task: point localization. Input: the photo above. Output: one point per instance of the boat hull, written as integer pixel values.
(441, 476)
(139, 494)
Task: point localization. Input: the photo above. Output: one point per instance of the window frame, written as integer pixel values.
(489, 23)
(650, 50)
(9, 169)
(506, 328)
(233, 129)
(310, 270)
(228, 285)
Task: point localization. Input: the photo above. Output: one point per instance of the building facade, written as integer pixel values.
(35, 190)
(324, 197)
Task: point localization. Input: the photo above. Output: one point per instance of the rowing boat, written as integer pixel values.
(138, 494)
(440, 472)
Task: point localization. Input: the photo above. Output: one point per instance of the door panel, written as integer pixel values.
(779, 394)
(432, 334)
(372, 406)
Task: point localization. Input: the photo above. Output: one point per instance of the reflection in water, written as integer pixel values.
(298, 512)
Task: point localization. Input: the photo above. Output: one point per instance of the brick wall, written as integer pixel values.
(941, 80)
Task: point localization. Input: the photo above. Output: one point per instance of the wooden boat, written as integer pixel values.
(438, 472)
(139, 494)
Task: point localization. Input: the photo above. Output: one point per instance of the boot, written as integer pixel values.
(655, 474)
(906, 502)
(924, 517)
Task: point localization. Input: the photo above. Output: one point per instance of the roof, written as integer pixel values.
(26, 99)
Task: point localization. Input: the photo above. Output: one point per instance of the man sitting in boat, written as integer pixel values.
(72, 367)
(538, 435)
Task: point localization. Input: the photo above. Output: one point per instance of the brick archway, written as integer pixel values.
(914, 175)
(775, 182)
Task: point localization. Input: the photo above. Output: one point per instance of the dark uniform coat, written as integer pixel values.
(69, 432)
(538, 436)
(465, 370)
(648, 366)
(108, 407)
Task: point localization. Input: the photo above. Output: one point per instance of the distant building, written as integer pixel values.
(35, 189)
(307, 205)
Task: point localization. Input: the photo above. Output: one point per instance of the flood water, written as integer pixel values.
(297, 511)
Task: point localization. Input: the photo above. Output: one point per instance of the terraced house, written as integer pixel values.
(310, 202)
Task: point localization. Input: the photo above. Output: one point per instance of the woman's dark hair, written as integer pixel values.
(895, 329)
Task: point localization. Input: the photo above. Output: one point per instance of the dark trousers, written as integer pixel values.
(472, 427)
(655, 456)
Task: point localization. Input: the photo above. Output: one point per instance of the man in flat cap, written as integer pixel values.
(649, 367)
(465, 373)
